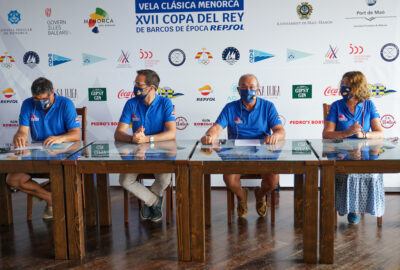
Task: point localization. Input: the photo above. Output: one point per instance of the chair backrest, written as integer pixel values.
(326, 108)
(82, 113)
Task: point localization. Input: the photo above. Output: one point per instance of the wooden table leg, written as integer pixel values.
(207, 199)
(103, 195)
(73, 196)
(197, 218)
(90, 200)
(298, 201)
(327, 214)
(310, 232)
(182, 212)
(6, 216)
(59, 225)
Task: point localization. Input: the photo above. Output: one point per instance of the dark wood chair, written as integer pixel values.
(169, 199)
(326, 108)
(231, 198)
(82, 114)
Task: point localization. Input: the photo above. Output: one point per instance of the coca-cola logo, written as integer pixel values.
(181, 123)
(330, 91)
(125, 94)
(387, 121)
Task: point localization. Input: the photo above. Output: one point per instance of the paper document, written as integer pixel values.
(253, 142)
(39, 146)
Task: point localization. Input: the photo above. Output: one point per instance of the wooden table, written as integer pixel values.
(106, 157)
(39, 162)
(289, 157)
(336, 157)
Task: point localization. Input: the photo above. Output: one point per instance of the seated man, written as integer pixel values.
(153, 120)
(249, 118)
(51, 119)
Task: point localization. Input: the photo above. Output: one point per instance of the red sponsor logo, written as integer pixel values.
(306, 122)
(13, 123)
(104, 124)
(181, 123)
(356, 49)
(330, 91)
(146, 54)
(387, 121)
(204, 123)
(125, 94)
(47, 12)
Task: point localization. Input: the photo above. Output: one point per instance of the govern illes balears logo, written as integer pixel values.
(99, 19)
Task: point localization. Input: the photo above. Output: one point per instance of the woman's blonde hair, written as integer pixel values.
(358, 85)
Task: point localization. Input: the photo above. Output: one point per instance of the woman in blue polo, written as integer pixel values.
(355, 116)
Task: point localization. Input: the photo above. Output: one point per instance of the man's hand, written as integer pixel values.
(207, 139)
(141, 151)
(20, 141)
(53, 140)
(271, 139)
(22, 153)
(138, 136)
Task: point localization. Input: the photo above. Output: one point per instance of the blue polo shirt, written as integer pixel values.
(243, 124)
(60, 118)
(152, 118)
(340, 114)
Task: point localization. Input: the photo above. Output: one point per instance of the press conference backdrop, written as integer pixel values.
(298, 49)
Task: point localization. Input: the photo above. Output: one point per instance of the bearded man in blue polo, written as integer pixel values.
(50, 119)
(153, 120)
(249, 118)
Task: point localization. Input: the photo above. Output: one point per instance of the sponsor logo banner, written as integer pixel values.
(387, 121)
(176, 57)
(88, 59)
(31, 59)
(99, 150)
(292, 55)
(99, 19)
(8, 95)
(390, 52)
(300, 148)
(167, 92)
(181, 123)
(7, 61)
(302, 91)
(188, 15)
(97, 94)
(256, 56)
(55, 60)
(71, 93)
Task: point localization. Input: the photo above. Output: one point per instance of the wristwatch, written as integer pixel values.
(151, 140)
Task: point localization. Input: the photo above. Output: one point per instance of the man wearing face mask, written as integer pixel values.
(153, 120)
(249, 118)
(50, 119)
